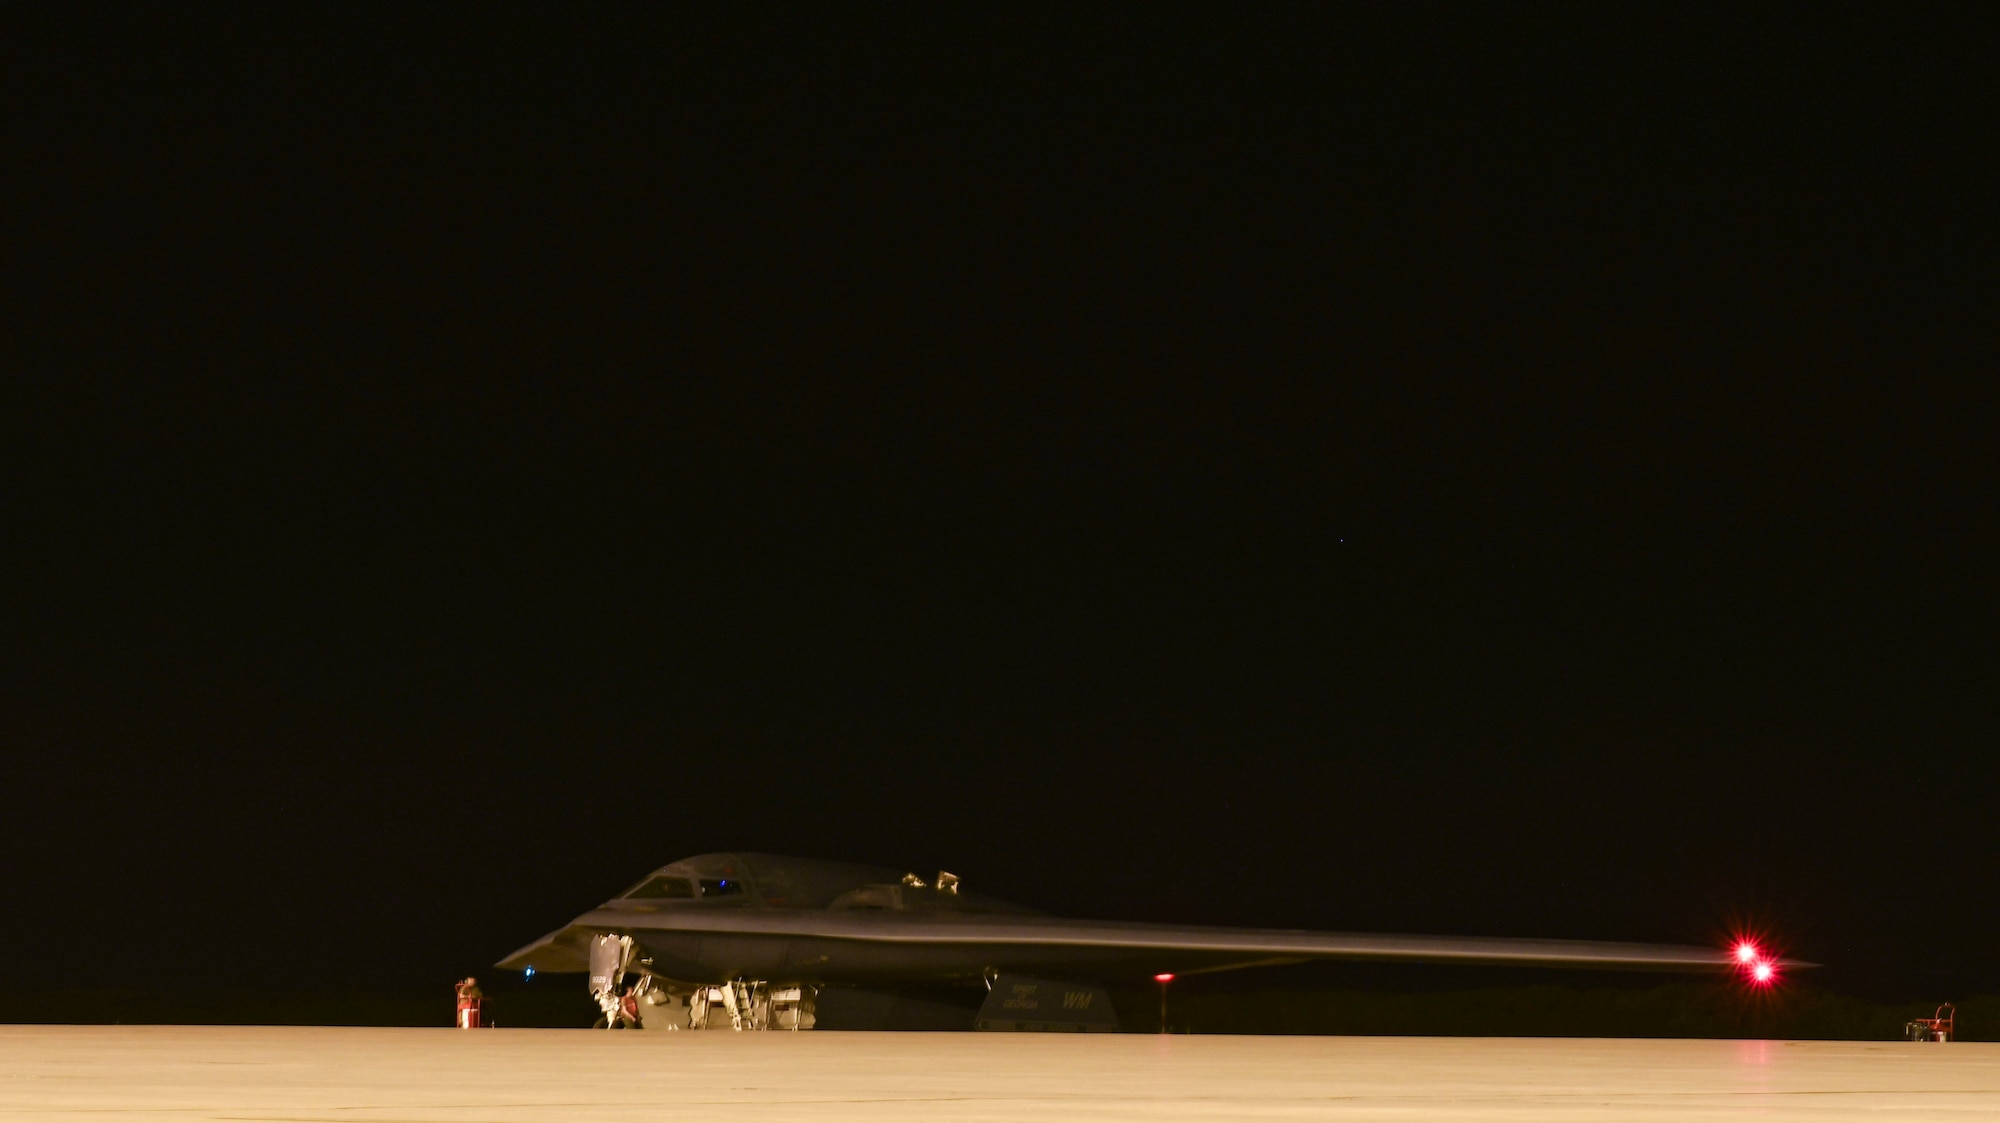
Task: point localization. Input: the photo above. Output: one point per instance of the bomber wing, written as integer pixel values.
(1214, 944)
(565, 949)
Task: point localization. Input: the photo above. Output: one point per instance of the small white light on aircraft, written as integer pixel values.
(530, 972)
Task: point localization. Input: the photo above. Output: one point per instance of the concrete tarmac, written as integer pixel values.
(300, 1074)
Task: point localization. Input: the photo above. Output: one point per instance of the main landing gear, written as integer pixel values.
(753, 1005)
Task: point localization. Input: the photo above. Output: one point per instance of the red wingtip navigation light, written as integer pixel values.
(1759, 968)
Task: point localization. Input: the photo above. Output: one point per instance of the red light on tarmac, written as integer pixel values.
(1163, 978)
(1746, 952)
(1764, 973)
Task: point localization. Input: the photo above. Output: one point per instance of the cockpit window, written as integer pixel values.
(725, 887)
(664, 887)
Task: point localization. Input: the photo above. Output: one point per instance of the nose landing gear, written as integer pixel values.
(609, 957)
(750, 1003)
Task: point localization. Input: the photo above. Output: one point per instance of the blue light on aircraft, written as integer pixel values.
(530, 972)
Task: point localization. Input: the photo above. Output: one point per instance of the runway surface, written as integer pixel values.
(527, 1076)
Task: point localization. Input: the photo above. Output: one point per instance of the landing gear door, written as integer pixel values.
(1017, 1002)
(608, 958)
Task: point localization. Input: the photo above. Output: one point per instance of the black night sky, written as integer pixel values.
(1438, 469)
